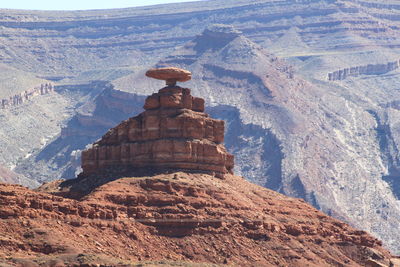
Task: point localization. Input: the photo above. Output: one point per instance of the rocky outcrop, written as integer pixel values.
(20, 98)
(173, 133)
(176, 217)
(170, 74)
(370, 69)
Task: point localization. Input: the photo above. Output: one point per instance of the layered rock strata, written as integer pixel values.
(26, 95)
(370, 69)
(173, 133)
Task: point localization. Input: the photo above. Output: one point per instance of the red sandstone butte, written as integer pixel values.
(173, 133)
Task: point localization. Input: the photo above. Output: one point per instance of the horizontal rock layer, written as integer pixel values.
(370, 69)
(20, 98)
(175, 154)
(153, 125)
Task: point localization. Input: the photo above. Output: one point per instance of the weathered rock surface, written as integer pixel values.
(173, 133)
(179, 217)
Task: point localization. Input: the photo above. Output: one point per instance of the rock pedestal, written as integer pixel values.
(170, 74)
(173, 133)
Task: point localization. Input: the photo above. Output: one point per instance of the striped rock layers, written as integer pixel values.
(173, 133)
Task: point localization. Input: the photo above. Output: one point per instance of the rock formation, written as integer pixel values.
(370, 69)
(170, 74)
(173, 133)
(18, 99)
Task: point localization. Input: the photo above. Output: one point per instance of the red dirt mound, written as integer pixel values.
(176, 217)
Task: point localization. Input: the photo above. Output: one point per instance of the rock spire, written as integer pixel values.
(173, 133)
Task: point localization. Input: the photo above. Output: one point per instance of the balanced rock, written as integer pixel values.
(170, 74)
(173, 133)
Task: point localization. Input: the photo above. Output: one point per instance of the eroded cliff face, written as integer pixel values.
(99, 107)
(57, 41)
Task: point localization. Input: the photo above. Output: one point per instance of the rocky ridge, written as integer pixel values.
(177, 217)
(20, 98)
(370, 69)
(108, 36)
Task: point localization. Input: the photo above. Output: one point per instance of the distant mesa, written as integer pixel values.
(170, 74)
(173, 133)
(214, 37)
(222, 31)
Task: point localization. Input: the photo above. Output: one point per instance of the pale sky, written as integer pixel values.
(80, 4)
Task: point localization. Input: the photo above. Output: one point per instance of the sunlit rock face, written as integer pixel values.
(173, 133)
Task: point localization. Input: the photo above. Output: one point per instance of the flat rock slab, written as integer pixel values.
(170, 74)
